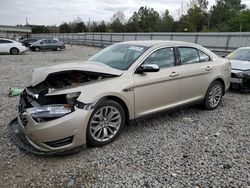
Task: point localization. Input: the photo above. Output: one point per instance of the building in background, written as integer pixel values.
(14, 32)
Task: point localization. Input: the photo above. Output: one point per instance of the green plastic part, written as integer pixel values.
(15, 91)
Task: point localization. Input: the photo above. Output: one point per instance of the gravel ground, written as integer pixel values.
(186, 148)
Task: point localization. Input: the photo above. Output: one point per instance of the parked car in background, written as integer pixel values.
(47, 44)
(28, 41)
(69, 105)
(8, 46)
(240, 73)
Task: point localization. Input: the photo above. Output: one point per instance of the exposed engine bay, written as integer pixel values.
(61, 80)
(35, 98)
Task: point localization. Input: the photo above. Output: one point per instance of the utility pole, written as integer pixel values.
(26, 20)
(89, 24)
(208, 23)
(240, 25)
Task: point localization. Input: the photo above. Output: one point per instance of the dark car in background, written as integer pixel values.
(47, 44)
(28, 41)
(240, 72)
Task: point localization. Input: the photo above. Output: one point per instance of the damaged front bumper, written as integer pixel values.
(55, 137)
(48, 136)
(18, 137)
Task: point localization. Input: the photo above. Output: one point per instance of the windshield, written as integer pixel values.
(119, 56)
(240, 54)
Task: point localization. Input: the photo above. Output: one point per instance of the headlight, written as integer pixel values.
(49, 111)
(243, 74)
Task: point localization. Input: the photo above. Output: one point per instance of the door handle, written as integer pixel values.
(208, 68)
(174, 74)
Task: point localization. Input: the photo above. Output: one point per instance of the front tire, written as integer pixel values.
(105, 123)
(14, 51)
(214, 95)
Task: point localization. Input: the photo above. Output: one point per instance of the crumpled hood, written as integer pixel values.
(240, 65)
(40, 74)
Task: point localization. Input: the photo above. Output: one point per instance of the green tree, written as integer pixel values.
(64, 28)
(186, 25)
(222, 12)
(117, 22)
(120, 16)
(116, 26)
(193, 21)
(101, 27)
(241, 22)
(133, 24)
(149, 19)
(53, 29)
(93, 26)
(80, 27)
(145, 20)
(202, 4)
(39, 29)
(166, 23)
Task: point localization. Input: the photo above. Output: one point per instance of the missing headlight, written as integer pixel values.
(71, 97)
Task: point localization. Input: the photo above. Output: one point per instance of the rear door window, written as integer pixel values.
(189, 55)
(53, 41)
(203, 57)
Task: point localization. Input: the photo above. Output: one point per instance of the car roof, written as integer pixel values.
(8, 39)
(149, 43)
(170, 43)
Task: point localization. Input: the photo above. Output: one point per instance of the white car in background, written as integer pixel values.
(11, 47)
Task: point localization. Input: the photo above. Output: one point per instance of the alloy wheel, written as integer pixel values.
(105, 123)
(215, 95)
(14, 51)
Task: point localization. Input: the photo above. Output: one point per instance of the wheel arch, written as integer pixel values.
(34, 47)
(222, 82)
(14, 48)
(119, 101)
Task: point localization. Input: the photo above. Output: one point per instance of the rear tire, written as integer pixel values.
(58, 48)
(14, 51)
(214, 95)
(105, 123)
(37, 49)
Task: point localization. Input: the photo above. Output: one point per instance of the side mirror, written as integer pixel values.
(148, 68)
(41, 42)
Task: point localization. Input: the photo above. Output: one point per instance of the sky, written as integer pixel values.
(55, 12)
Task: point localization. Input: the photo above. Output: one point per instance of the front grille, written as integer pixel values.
(61, 142)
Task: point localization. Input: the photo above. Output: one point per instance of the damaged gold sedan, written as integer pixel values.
(74, 104)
